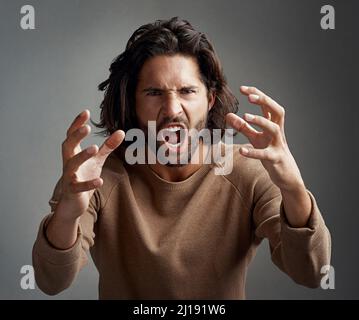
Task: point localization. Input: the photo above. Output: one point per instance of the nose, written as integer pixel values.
(171, 106)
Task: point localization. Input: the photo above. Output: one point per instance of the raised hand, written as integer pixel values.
(80, 178)
(82, 168)
(270, 145)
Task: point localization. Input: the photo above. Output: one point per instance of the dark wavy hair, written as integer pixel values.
(162, 37)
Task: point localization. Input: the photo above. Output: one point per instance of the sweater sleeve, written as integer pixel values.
(56, 269)
(299, 252)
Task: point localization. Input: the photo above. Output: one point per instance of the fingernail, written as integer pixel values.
(97, 183)
(254, 97)
(249, 116)
(244, 150)
(84, 129)
(244, 87)
(91, 150)
(82, 113)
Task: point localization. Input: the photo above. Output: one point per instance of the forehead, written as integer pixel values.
(170, 71)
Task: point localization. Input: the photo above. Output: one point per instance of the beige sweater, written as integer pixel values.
(194, 239)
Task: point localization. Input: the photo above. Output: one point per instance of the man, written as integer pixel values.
(167, 231)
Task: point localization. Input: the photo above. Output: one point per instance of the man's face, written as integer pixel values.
(170, 92)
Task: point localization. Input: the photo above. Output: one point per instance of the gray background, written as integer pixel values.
(50, 74)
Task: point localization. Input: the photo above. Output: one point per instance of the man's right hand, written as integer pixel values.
(82, 168)
(80, 178)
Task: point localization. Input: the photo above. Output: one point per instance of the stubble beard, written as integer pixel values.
(193, 141)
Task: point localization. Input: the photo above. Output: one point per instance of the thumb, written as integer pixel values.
(110, 144)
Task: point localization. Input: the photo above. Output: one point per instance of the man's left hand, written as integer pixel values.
(270, 145)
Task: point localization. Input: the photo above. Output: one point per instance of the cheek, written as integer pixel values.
(196, 111)
(145, 112)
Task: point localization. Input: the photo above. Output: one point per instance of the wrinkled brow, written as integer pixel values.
(160, 89)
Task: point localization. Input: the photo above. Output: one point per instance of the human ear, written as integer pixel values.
(211, 99)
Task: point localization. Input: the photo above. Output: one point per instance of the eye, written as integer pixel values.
(153, 93)
(187, 91)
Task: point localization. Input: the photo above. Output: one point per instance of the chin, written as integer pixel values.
(176, 165)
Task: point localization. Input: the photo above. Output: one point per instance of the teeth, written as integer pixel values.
(174, 144)
(172, 134)
(173, 129)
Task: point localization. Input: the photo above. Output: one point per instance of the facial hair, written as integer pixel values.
(193, 142)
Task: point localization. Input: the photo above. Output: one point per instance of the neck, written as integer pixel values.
(176, 174)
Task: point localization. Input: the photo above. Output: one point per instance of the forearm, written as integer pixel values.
(297, 205)
(56, 268)
(61, 233)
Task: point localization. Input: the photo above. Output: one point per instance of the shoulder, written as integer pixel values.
(246, 173)
(245, 170)
(113, 173)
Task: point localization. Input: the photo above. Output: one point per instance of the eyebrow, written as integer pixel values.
(159, 89)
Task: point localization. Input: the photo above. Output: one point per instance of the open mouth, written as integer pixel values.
(174, 136)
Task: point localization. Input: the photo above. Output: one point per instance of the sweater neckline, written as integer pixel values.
(159, 182)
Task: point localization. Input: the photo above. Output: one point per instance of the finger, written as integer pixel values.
(268, 126)
(76, 187)
(78, 122)
(73, 140)
(260, 154)
(267, 103)
(240, 125)
(111, 143)
(76, 161)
